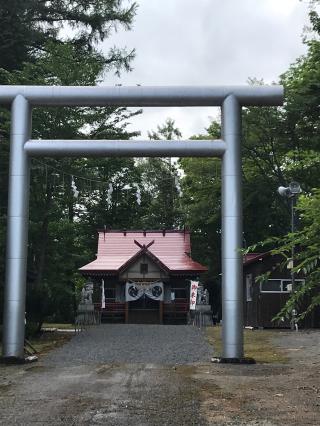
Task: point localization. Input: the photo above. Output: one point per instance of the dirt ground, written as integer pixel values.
(286, 393)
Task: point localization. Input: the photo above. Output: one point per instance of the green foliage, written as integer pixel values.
(28, 25)
(306, 244)
(262, 278)
(54, 42)
(167, 131)
(160, 196)
(159, 178)
(307, 257)
(201, 206)
(201, 203)
(36, 51)
(280, 145)
(301, 116)
(262, 173)
(62, 229)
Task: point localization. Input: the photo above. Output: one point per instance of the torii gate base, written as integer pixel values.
(230, 98)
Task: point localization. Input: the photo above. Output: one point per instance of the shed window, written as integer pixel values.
(249, 287)
(271, 286)
(287, 285)
(143, 268)
(278, 286)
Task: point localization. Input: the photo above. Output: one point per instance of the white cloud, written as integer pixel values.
(208, 42)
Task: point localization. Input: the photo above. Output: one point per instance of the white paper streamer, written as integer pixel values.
(178, 187)
(74, 188)
(138, 193)
(109, 196)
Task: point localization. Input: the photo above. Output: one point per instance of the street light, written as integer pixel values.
(292, 192)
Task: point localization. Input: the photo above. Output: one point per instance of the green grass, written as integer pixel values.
(44, 342)
(257, 345)
(61, 326)
(49, 341)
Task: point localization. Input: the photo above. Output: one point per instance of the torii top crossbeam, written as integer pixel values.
(143, 96)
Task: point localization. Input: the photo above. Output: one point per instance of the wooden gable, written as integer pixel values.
(152, 272)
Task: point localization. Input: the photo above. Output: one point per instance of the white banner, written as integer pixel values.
(103, 298)
(133, 292)
(193, 294)
(153, 290)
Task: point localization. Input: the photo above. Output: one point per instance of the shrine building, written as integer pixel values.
(143, 276)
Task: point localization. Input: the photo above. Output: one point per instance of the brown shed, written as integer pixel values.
(263, 300)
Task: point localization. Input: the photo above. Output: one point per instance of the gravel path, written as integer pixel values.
(305, 341)
(134, 343)
(148, 394)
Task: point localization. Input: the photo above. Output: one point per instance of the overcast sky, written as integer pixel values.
(207, 42)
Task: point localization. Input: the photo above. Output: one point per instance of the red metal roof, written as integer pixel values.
(254, 257)
(115, 248)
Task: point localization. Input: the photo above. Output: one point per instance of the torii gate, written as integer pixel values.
(229, 98)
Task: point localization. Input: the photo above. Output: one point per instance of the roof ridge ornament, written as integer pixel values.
(138, 244)
(143, 246)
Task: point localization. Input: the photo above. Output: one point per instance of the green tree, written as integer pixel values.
(305, 242)
(301, 161)
(28, 25)
(167, 131)
(59, 243)
(55, 42)
(201, 206)
(161, 184)
(279, 145)
(264, 149)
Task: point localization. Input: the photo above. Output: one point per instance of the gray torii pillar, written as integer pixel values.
(232, 304)
(17, 231)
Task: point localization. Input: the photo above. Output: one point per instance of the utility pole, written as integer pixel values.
(292, 192)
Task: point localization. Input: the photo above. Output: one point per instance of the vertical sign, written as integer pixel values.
(193, 294)
(103, 298)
